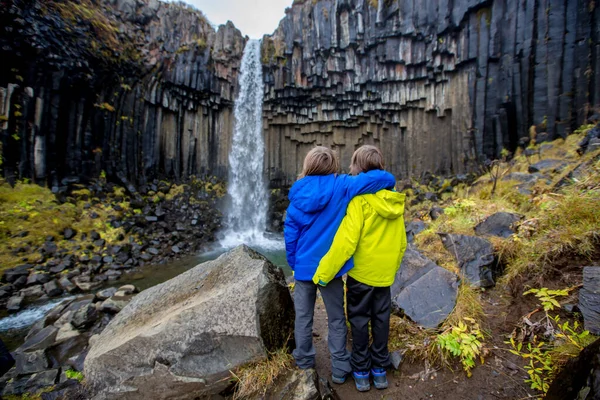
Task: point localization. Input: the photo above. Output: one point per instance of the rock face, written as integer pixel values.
(589, 299)
(579, 378)
(424, 291)
(475, 257)
(180, 339)
(435, 84)
(145, 88)
(134, 87)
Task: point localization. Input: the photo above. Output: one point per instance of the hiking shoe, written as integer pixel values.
(361, 379)
(379, 378)
(338, 379)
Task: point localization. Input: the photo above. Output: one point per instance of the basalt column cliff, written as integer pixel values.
(439, 85)
(135, 88)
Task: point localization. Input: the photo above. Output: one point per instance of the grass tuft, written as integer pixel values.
(255, 379)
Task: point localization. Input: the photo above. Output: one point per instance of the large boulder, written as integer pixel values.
(424, 291)
(589, 299)
(475, 257)
(499, 224)
(182, 338)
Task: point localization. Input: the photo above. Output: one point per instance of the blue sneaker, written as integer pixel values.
(361, 378)
(338, 379)
(379, 378)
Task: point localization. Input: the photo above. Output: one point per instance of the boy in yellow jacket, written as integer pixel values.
(373, 232)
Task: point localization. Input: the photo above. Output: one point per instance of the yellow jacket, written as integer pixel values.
(373, 231)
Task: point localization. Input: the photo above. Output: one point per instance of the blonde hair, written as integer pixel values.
(366, 158)
(320, 161)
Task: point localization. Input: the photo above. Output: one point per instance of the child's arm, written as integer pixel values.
(343, 246)
(291, 232)
(367, 182)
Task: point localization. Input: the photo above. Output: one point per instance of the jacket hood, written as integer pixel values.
(388, 204)
(312, 193)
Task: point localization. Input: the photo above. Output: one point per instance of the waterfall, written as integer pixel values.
(246, 213)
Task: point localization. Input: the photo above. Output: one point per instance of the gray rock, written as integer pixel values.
(424, 291)
(499, 224)
(14, 303)
(66, 284)
(475, 257)
(12, 274)
(85, 316)
(153, 251)
(15, 387)
(51, 288)
(414, 228)
(547, 164)
(32, 291)
(41, 380)
(37, 278)
(105, 293)
(115, 304)
(86, 286)
(589, 299)
(147, 349)
(41, 340)
(65, 333)
(128, 289)
(30, 362)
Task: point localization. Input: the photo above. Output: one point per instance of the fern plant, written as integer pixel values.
(463, 341)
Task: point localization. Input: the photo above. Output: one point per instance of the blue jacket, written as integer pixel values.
(317, 206)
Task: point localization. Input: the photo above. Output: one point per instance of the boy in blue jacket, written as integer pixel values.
(318, 202)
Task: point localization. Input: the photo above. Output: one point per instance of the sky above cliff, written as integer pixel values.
(253, 17)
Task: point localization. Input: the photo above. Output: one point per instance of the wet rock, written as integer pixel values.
(32, 291)
(14, 303)
(498, 224)
(37, 278)
(6, 291)
(12, 274)
(105, 293)
(589, 299)
(51, 288)
(85, 317)
(30, 362)
(40, 340)
(475, 257)
(99, 243)
(424, 291)
(153, 251)
(256, 316)
(66, 284)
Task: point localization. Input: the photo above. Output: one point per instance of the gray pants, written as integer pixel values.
(305, 294)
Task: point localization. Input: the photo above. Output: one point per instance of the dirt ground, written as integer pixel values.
(500, 377)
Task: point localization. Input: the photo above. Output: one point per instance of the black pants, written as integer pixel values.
(369, 304)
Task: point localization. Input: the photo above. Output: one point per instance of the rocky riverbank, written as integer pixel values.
(85, 236)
